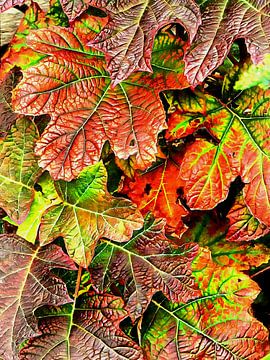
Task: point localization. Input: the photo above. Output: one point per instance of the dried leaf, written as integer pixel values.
(90, 332)
(148, 263)
(88, 212)
(222, 23)
(27, 284)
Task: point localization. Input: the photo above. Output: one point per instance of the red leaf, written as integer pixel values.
(222, 23)
(128, 43)
(89, 332)
(27, 284)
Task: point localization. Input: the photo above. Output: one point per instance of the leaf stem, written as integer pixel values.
(260, 272)
(78, 283)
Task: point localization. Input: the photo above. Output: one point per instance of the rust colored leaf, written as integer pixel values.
(85, 110)
(90, 332)
(243, 225)
(27, 284)
(217, 325)
(88, 212)
(148, 263)
(18, 169)
(157, 190)
(128, 44)
(222, 23)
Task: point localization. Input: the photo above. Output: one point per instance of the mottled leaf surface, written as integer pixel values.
(240, 146)
(128, 39)
(222, 23)
(218, 325)
(87, 213)
(7, 4)
(89, 332)
(18, 169)
(148, 263)
(26, 284)
(74, 8)
(155, 191)
(84, 108)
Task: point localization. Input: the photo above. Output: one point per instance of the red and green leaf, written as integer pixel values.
(26, 284)
(148, 263)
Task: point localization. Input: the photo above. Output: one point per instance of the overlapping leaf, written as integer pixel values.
(216, 326)
(128, 39)
(148, 263)
(88, 212)
(85, 110)
(243, 225)
(240, 146)
(222, 23)
(7, 4)
(26, 284)
(89, 332)
(155, 191)
(18, 169)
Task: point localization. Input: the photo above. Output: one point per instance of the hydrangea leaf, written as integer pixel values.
(217, 326)
(25, 275)
(222, 23)
(91, 331)
(19, 53)
(210, 233)
(87, 213)
(155, 191)
(128, 44)
(85, 110)
(148, 263)
(240, 146)
(18, 169)
(243, 225)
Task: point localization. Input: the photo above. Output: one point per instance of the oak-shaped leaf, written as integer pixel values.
(18, 169)
(239, 146)
(27, 284)
(243, 225)
(89, 332)
(148, 263)
(128, 38)
(218, 325)
(85, 110)
(87, 213)
(157, 190)
(222, 23)
(209, 232)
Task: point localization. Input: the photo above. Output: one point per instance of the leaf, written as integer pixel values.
(85, 110)
(210, 233)
(240, 146)
(74, 8)
(155, 191)
(18, 169)
(88, 212)
(222, 23)
(7, 4)
(243, 225)
(217, 325)
(91, 332)
(27, 284)
(148, 263)
(128, 44)
(18, 53)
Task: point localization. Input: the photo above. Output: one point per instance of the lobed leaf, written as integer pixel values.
(87, 213)
(27, 284)
(222, 23)
(148, 263)
(217, 325)
(91, 331)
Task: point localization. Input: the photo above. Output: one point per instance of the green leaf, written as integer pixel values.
(87, 213)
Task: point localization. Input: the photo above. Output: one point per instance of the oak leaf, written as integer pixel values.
(222, 23)
(128, 43)
(91, 331)
(27, 284)
(87, 213)
(148, 263)
(218, 325)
